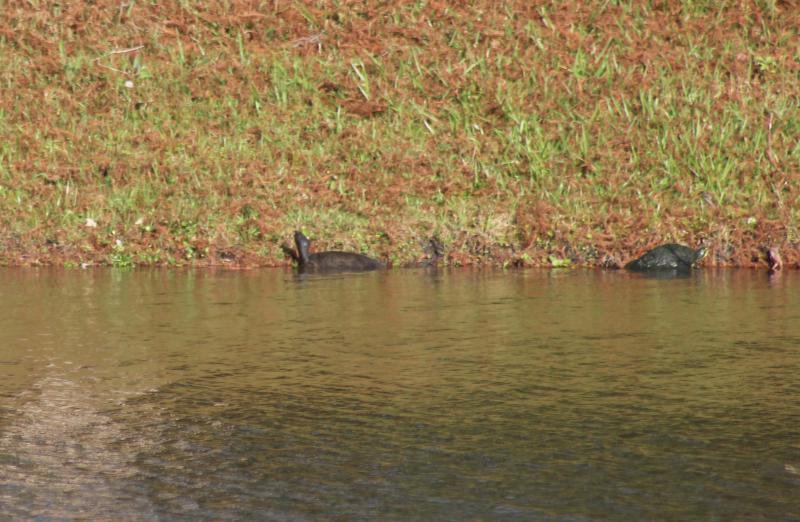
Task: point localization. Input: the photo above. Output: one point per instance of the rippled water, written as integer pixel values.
(407, 395)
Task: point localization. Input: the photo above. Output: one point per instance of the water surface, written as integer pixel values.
(404, 395)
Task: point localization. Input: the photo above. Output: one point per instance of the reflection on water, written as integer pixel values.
(549, 395)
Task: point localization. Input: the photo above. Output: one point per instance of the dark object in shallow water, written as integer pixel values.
(331, 261)
(668, 257)
(774, 259)
(434, 252)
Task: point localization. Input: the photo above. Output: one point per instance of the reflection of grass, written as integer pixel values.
(522, 133)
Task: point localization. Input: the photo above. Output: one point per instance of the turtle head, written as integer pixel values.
(302, 243)
(699, 254)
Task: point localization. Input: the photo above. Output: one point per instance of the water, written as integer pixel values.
(408, 395)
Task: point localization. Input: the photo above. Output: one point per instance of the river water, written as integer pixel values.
(400, 395)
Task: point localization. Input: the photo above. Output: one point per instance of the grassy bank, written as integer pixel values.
(528, 133)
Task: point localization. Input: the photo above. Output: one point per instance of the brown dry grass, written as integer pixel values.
(526, 133)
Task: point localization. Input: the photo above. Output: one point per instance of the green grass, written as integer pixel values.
(549, 134)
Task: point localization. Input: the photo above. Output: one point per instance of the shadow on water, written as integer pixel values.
(665, 273)
(415, 394)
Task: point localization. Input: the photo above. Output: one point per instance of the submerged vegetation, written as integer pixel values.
(516, 132)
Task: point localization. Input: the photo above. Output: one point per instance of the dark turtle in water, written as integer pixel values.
(774, 260)
(331, 261)
(668, 257)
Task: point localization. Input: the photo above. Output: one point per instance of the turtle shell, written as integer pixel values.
(670, 256)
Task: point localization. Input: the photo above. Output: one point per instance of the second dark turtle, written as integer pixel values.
(668, 257)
